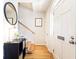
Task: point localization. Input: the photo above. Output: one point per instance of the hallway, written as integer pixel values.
(39, 52)
(48, 25)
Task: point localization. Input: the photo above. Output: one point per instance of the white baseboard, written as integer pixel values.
(55, 56)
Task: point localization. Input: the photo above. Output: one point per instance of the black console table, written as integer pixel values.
(15, 49)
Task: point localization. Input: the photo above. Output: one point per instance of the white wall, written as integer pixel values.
(27, 17)
(4, 27)
(49, 28)
(63, 25)
(1, 30)
(9, 29)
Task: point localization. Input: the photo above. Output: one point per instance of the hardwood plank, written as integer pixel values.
(39, 52)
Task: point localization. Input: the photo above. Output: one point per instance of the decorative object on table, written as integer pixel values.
(17, 35)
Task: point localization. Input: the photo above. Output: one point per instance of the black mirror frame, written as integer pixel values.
(6, 15)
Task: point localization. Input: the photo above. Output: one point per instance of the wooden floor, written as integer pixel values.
(39, 52)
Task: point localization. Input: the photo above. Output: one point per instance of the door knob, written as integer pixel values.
(72, 41)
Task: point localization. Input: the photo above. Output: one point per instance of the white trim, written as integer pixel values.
(55, 56)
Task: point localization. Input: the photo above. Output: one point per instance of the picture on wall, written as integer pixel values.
(38, 22)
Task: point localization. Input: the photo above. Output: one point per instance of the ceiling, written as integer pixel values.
(41, 5)
(35, 5)
(26, 5)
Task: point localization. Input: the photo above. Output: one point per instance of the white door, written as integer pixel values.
(69, 51)
(64, 20)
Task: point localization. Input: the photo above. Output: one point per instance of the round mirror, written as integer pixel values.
(10, 13)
